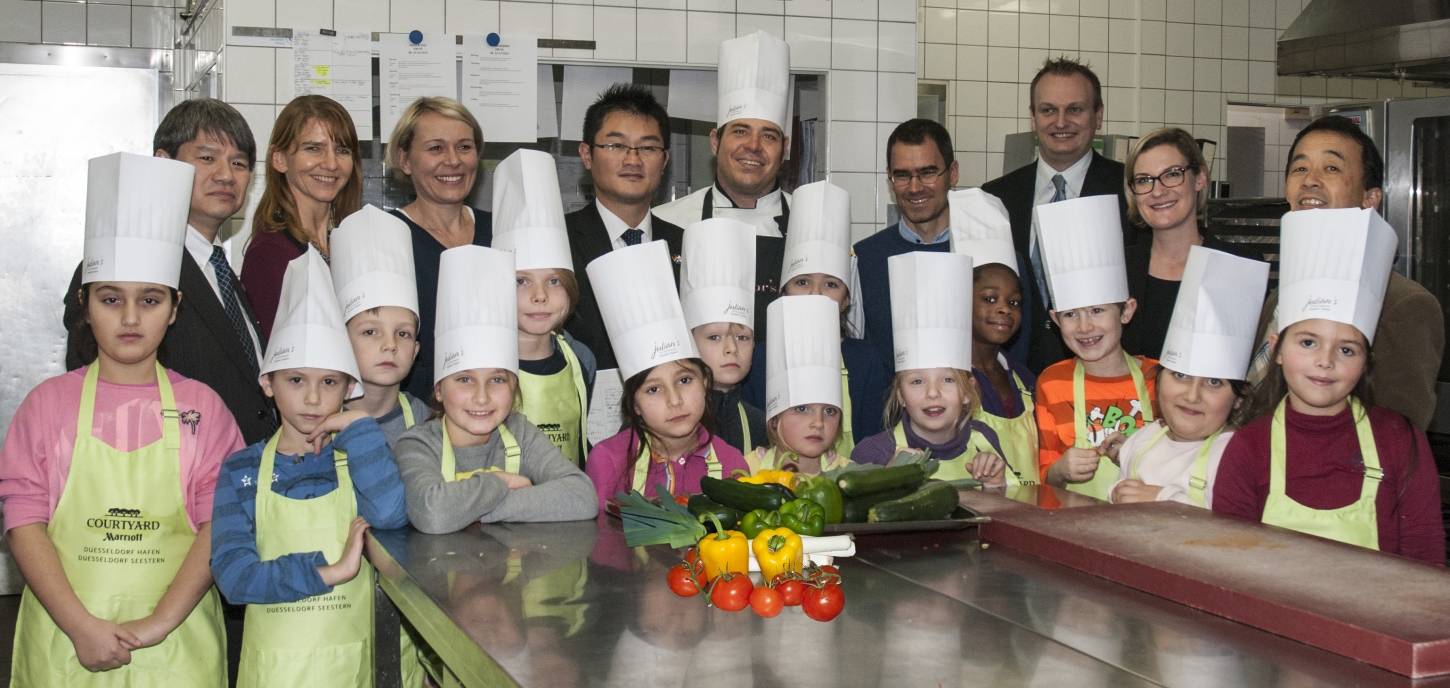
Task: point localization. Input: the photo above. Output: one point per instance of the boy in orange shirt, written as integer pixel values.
(1101, 394)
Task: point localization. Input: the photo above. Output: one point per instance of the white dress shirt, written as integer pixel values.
(616, 227)
(200, 250)
(1074, 175)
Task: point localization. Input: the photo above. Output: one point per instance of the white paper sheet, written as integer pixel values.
(582, 86)
(693, 94)
(500, 85)
(604, 405)
(407, 72)
(548, 109)
(339, 67)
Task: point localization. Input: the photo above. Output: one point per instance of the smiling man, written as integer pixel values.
(749, 141)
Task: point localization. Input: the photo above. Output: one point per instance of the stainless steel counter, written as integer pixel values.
(568, 604)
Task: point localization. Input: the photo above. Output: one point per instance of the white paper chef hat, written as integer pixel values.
(818, 237)
(372, 262)
(478, 314)
(981, 228)
(1082, 246)
(1334, 264)
(636, 291)
(931, 310)
(803, 353)
(528, 214)
(1216, 318)
(309, 331)
(754, 80)
(717, 273)
(136, 208)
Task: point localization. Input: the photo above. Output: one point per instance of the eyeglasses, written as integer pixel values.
(645, 152)
(1170, 178)
(927, 175)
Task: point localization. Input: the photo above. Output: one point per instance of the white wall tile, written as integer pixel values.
(1093, 34)
(851, 95)
(762, 7)
(1261, 77)
(971, 134)
(971, 27)
(1122, 36)
(251, 13)
(369, 15)
(662, 4)
(1150, 104)
(1314, 86)
(972, 63)
(661, 35)
(1364, 88)
(304, 15)
(862, 188)
(1122, 70)
(997, 130)
(1151, 71)
(63, 22)
(1179, 11)
(1340, 88)
(1178, 106)
(1069, 7)
(1033, 31)
(574, 22)
(746, 24)
(853, 9)
(1285, 12)
(1002, 64)
(259, 119)
(971, 98)
(22, 21)
(973, 169)
(1098, 62)
(1179, 72)
(1121, 106)
(810, 42)
(896, 95)
(1261, 14)
(710, 5)
(1236, 12)
(1262, 44)
(1207, 75)
(108, 25)
(286, 87)
(995, 166)
(153, 27)
(251, 75)
(1154, 35)
(1029, 60)
(848, 152)
(422, 15)
(810, 8)
(941, 61)
(1093, 8)
(1123, 9)
(1063, 32)
(1034, 6)
(1002, 100)
(896, 47)
(1208, 12)
(1180, 39)
(898, 11)
(614, 33)
(939, 25)
(631, 3)
(527, 17)
(475, 16)
(1207, 41)
(1207, 108)
(1235, 42)
(853, 44)
(1002, 29)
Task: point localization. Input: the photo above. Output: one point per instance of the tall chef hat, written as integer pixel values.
(981, 228)
(372, 262)
(931, 310)
(636, 291)
(309, 331)
(478, 317)
(717, 273)
(803, 353)
(136, 208)
(1335, 264)
(1216, 317)
(818, 238)
(528, 214)
(754, 79)
(1082, 246)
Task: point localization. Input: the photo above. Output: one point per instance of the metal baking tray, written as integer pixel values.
(961, 519)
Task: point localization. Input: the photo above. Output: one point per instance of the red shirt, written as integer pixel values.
(262, 268)
(1325, 471)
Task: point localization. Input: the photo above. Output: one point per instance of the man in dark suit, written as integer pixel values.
(625, 149)
(215, 339)
(1066, 105)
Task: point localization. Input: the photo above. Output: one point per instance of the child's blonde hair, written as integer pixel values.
(896, 405)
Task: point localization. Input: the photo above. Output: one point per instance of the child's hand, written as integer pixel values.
(102, 645)
(988, 468)
(149, 631)
(347, 565)
(1130, 491)
(1111, 444)
(1077, 465)
(333, 423)
(514, 481)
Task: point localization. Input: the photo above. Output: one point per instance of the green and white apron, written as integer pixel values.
(1101, 484)
(1355, 524)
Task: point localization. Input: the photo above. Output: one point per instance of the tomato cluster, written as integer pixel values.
(817, 591)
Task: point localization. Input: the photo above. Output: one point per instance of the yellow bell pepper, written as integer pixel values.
(726, 550)
(786, 478)
(778, 550)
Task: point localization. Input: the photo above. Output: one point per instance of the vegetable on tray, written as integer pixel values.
(934, 501)
(745, 496)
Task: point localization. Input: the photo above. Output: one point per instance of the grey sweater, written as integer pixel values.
(392, 421)
(561, 492)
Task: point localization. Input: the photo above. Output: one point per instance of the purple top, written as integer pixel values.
(880, 447)
(262, 268)
(610, 466)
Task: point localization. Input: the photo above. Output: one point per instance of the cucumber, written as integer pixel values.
(857, 483)
(934, 501)
(853, 509)
(700, 505)
(745, 497)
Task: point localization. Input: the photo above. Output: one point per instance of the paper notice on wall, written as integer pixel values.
(693, 94)
(548, 109)
(582, 86)
(407, 72)
(604, 406)
(337, 66)
(500, 86)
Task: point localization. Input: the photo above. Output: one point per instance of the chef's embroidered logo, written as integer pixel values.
(122, 524)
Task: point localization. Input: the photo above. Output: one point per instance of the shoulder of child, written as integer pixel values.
(429, 434)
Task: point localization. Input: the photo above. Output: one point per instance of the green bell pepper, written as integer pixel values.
(822, 491)
(803, 516)
(760, 519)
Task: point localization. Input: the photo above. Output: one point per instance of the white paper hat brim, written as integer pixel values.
(803, 385)
(128, 259)
(1089, 287)
(537, 248)
(471, 347)
(1204, 354)
(925, 348)
(1330, 299)
(718, 304)
(646, 346)
(752, 103)
(309, 345)
(810, 257)
(375, 290)
(988, 252)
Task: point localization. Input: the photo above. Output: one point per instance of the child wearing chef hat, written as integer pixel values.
(717, 294)
(1101, 390)
(556, 371)
(1200, 383)
(667, 441)
(291, 510)
(933, 396)
(482, 460)
(1322, 459)
(120, 443)
(981, 229)
(372, 271)
(803, 383)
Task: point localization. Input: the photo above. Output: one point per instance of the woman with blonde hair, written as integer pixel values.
(314, 179)
(436, 149)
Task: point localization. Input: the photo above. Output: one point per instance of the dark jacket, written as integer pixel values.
(1144, 334)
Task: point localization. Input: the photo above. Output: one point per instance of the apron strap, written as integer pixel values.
(408, 421)
(846, 440)
(1134, 460)
(1079, 399)
(572, 361)
(642, 463)
(449, 464)
(1198, 479)
(744, 427)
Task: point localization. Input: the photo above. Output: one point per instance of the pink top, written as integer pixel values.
(609, 466)
(36, 457)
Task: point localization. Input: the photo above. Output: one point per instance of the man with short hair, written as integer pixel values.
(625, 149)
(1066, 107)
(215, 338)
(1334, 164)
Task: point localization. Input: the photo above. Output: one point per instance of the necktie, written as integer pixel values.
(226, 281)
(633, 237)
(1059, 186)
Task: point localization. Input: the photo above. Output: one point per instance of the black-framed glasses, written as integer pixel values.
(621, 150)
(1169, 178)
(927, 175)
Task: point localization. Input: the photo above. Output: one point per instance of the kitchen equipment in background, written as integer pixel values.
(1395, 39)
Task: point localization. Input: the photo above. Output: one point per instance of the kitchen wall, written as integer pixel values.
(116, 23)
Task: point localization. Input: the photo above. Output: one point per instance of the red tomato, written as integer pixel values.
(790, 590)
(731, 592)
(683, 581)
(682, 500)
(691, 556)
(766, 602)
(823, 603)
(829, 570)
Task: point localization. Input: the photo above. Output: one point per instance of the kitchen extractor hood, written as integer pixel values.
(1402, 39)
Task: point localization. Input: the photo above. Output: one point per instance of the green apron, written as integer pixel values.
(561, 402)
(121, 531)
(846, 440)
(744, 429)
(1101, 484)
(512, 456)
(959, 466)
(642, 462)
(774, 459)
(408, 421)
(410, 663)
(1355, 524)
(1017, 436)
(325, 640)
(1197, 479)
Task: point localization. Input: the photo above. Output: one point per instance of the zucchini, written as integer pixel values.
(934, 501)
(857, 483)
(700, 505)
(745, 497)
(853, 509)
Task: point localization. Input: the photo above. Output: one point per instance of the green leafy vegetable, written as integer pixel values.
(666, 523)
